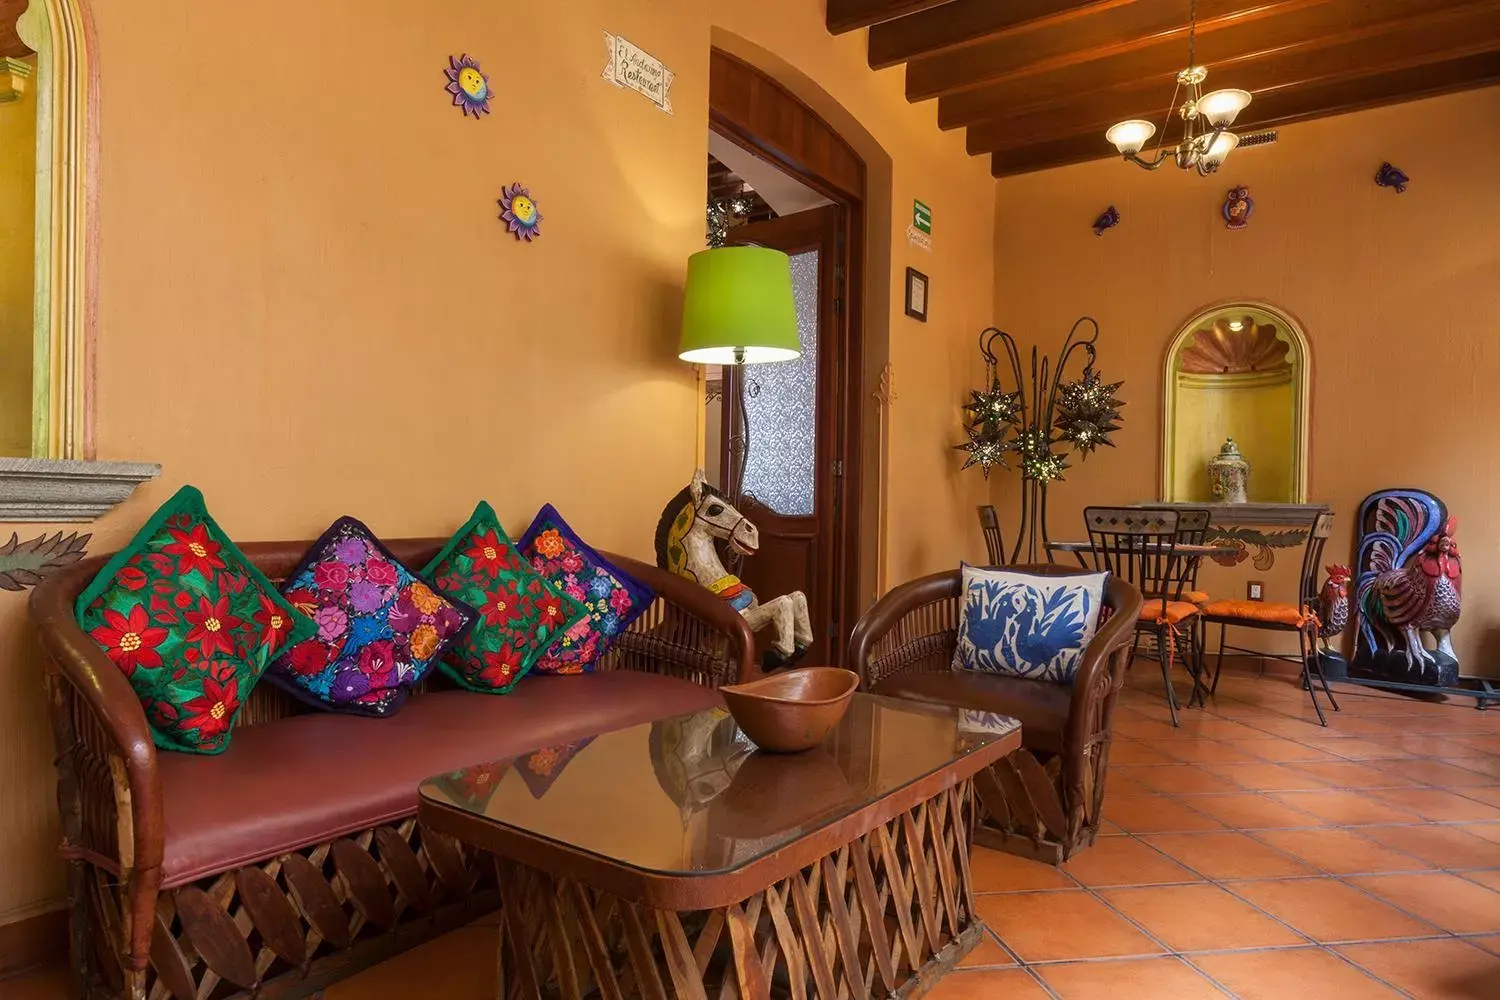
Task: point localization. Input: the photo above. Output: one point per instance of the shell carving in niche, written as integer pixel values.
(1221, 350)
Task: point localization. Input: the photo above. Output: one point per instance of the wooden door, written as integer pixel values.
(792, 467)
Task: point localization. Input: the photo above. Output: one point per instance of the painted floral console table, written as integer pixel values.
(1254, 530)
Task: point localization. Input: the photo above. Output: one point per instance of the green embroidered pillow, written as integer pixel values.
(190, 622)
(520, 612)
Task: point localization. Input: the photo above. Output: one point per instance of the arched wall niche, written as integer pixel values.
(1237, 370)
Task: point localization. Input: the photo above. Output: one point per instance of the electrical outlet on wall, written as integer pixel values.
(1255, 590)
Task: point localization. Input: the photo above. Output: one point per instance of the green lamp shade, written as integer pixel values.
(738, 308)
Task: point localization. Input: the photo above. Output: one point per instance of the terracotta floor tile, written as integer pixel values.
(1489, 744)
(1125, 861)
(1433, 772)
(996, 871)
(1131, 752)
(1142, 728)
(1489, 765)
(1201, 751)
(1054, 926)
(1353, 725)
(1452, 903)
(1155, 814)
(1488, 794)
(1267, 777)
(1489, 831)
(987, 954)
(1342, 852)
(1202, 725)
(1349, 774)
(1439, 805)
(987, 984)
(1253, 811)
(1490, 878)
(1489, 942)
(1357, 748)
(1181, 779)
(1120, 781)
(1440, 846)
(1431, 969)
(1327, 910)
(52, 983)
(1295, 729)
(1346, 808)
(1229, 856)
(1133, 979)
(1281, 751)
(1303, 973)
(457, 966)
(1432, 746)
(1200, 918)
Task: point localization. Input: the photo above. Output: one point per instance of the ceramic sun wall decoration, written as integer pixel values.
(519, 213)
(468, 85)
(687, 537)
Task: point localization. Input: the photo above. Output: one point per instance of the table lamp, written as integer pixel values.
(737, 310)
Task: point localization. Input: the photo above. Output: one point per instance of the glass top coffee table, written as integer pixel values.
(673, 859)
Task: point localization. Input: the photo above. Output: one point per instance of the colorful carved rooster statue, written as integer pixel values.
(1411, 579)
(1333, 604)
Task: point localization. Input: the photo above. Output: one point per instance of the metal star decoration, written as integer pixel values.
(986, 449)
(1088, 411)
(993, 408)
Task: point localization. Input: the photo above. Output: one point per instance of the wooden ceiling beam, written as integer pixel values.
(1030, 87)
(849, 15)
(1110, 32)
(963, 23)
(1281, 108)
(1436, 37)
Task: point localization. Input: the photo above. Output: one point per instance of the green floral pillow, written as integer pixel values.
(190, 622)
(520, 612)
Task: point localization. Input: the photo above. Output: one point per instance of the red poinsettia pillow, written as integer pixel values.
(190, 622)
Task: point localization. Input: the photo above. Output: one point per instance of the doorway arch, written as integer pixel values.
(751, 104)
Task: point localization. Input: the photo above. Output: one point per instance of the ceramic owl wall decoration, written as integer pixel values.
(1238, 207)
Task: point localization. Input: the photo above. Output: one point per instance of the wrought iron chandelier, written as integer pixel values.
(1206, 139)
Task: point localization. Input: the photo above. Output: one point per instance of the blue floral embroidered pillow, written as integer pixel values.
(1027, 626)
(380, 629)
(613, 598)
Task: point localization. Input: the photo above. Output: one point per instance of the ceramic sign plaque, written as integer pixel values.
(635, 69)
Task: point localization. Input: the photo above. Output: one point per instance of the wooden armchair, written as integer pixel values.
(1043, 801)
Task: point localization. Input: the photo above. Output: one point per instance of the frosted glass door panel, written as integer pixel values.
(782, 402)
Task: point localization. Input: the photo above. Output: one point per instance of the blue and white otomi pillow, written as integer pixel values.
(1027, 626)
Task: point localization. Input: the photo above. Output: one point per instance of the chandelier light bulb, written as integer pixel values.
(1130, 137)
(1221, 107)
(1219, 150)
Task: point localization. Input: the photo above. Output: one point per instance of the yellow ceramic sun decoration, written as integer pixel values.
(519, 212)
(470, 87)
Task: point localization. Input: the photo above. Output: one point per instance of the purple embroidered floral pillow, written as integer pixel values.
(380, 629)
(612, 598)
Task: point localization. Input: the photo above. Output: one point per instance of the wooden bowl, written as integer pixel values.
(791, 711)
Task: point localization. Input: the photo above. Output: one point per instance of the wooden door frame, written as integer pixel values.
(758, 114)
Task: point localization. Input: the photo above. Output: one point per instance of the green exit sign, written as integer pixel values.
(921, 217)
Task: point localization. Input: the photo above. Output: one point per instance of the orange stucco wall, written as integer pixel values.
(1398, 294)
(307, 306)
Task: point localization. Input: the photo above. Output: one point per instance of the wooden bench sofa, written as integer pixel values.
(294, 859)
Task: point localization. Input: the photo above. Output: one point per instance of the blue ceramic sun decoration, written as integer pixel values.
(519, 213)
(470, 87)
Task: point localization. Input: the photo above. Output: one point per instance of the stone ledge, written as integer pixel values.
(62, 490)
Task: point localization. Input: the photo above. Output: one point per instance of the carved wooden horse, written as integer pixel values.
(693, 522)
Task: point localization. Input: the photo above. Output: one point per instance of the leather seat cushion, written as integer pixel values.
(292, 782)
(1040, 706)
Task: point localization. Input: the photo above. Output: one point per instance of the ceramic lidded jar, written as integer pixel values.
(1229, 472)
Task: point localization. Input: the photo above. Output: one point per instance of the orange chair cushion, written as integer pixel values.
(1154, 609)
(1194, 596)
(1261, 611)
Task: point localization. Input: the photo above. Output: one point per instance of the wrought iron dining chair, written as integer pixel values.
(1299, 617)
(1139, 545)
(994, 542)
(1192, 531)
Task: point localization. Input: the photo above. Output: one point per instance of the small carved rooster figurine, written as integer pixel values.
(1333, 604)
